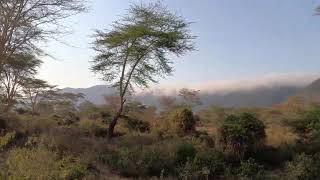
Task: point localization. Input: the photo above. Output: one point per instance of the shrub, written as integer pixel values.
(275, 156)
(182, 120)
(205, 165)
(184, 153)
(211, 160)
(250, 170)
(242, 133)
(143, 161)
(66, 118)
(35, 125)
(303, 167)
(93, 128)
(67, 140)
(71, 168)
(41, 163)
(137, 125)
(7, 139)
(307, 126)
(32, 164)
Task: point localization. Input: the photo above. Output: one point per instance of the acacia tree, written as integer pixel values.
(19, 68)
(65, 102)
(190, 97)
(134, 53)
(34, 90)
(26, 23)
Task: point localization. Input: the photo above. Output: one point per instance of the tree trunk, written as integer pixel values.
(112, 125)
(114, 122)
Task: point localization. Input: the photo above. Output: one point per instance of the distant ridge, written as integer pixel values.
(94, 94)
(260, 96)
(312, 91)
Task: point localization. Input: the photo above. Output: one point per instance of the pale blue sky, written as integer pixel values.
(236, 39)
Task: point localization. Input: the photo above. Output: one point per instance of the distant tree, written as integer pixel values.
(135, 51)
(25, 23)
(65, 102)
(34, 90)
(19, 68)
(167, 103)
(190, 97)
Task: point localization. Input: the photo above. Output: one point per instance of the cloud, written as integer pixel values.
(248, 83)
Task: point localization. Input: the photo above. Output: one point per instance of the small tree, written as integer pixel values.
(135, 51)
(190, 97)
(242, 133)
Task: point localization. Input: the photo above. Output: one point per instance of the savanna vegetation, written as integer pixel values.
(47, 134)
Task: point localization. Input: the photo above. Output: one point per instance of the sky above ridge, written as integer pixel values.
(235, 39)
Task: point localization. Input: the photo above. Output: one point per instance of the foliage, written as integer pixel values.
(307, 126)
(304, 167)
(182, 120)
(185, 153)
(19, 68)
(190, 97)
(140, 161)
(7, 139)
(24, 24)
(42, 164)
(137, 125)
(32, 164)
(250, 170)
(93, 128)
(242, 133)
(134, 52)
(275, 156)
(205, 165)
(71, 168)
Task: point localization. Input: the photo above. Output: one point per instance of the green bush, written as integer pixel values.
(250, 170)
(184, 153)
(182, 120)
(205, 165)
(303, 167)
(240, 134)
(211, 160)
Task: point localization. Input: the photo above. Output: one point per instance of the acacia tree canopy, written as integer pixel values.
(16, 71)
(135, 52)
